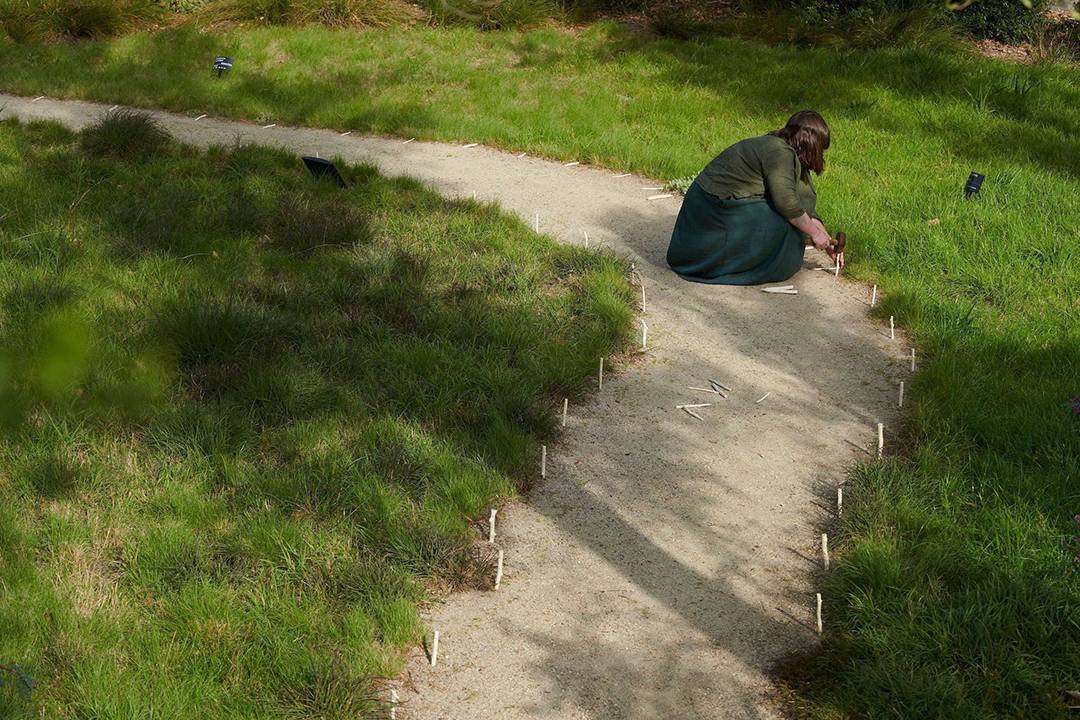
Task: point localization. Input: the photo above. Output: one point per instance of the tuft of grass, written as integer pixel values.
(327, 13)
(24, 21)
(124, 133)
(240, 446)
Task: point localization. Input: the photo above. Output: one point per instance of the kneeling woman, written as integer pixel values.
(750, 213)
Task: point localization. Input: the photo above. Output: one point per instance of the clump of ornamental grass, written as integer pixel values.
(124, 133)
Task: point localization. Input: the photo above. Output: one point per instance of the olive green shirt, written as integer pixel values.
(762, 168)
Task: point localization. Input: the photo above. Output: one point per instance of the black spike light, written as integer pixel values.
(221, 64)
(974, 182)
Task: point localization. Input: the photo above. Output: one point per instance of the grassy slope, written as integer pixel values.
(247, 418)
(953, 593)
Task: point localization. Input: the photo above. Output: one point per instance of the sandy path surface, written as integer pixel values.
(666, 563)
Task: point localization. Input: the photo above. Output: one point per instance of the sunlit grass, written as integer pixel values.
(249, 418)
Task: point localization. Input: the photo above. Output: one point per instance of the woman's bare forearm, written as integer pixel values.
(817, 234)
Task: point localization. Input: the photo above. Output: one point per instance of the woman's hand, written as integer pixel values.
(813, 230)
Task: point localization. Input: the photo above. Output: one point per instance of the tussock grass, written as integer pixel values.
(25, 21)
(249, 418)
(124, 133)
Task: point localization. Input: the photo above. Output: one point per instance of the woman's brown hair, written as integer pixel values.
(807, 132)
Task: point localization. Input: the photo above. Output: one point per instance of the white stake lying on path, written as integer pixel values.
(720, 385)
(624, 175)
(571, 164)
(543, 461)
(643, 299)
(652, 188)
(691, 413)
(825, 550)
(472, 145)
(892, 328)
(659, 197)
(696, 405)
(200, 117)
(39, 97)
(498, 570)
(777, 288)
(522, 155)
(408, 141)
(763, 397)
(900, 402)
(271, 125)
(644, 336)
(873, 296)
(714, 391)
(818, 614)
(346, 133)
(565, 407)
(601, 386)
(912, 359)
(435, 648)
(113, 108)
(839, 500)
(880, 440)
(394, 700)
(780, 291)
(491, 525)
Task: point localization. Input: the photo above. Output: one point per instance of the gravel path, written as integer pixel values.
(667, 562)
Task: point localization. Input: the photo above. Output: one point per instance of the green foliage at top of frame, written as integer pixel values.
(249, 417)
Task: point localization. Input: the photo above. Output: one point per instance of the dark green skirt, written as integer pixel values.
(733, 242)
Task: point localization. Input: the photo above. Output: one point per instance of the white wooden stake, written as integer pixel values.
(565, 407)
(199, 118)
(586, 239)
(537, 223)
(644, 336)
(435, 643)
(471, 145)
(347, 133)
(113, 108)
(39, 97)
(408, 141)
(900, 402)
(498, 570)
(571, 164)
(912, 359)
(624, 175)
(522, 155)
(394, 700)
(659, 197)
(825, 550)
(601, 387)
(543, 461)
(271, 125)
(839, 501)
(837, 268)
(873, 297)
(491, 526)
(643, 298)
(892, 328)
(763, 397)
(818, 614)
(880, 440)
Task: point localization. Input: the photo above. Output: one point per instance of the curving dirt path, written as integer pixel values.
(666, 563)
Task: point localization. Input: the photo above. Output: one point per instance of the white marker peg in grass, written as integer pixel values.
(522, 155)
(491, 525)
(659, 197)
(880, 440)
(873, 296)
(537, 223)
(200, 117)
(435, 648)
(900, 402)
(825, 550)
(601, 384)
(839, 500)
(763, 397)
(892, 328)
(571, 164)
(472, 145)
(912, 359)
(394, 701)
(498, 570)
(644, 336)
(408, 141)
(39, 97)
(543, 461)
(347, 133)
(565, 407)
(643, 299)
(818, 614)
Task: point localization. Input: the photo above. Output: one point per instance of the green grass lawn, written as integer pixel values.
(954, 593)
(250, 420)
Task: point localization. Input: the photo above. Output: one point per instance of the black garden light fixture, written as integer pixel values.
(221, 64)
(324, 169)
(974, 182)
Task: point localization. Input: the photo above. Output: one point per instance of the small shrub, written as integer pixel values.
(490, 14)
(92, 19)
(1004, 20)
(124, 133)
(328, 13)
